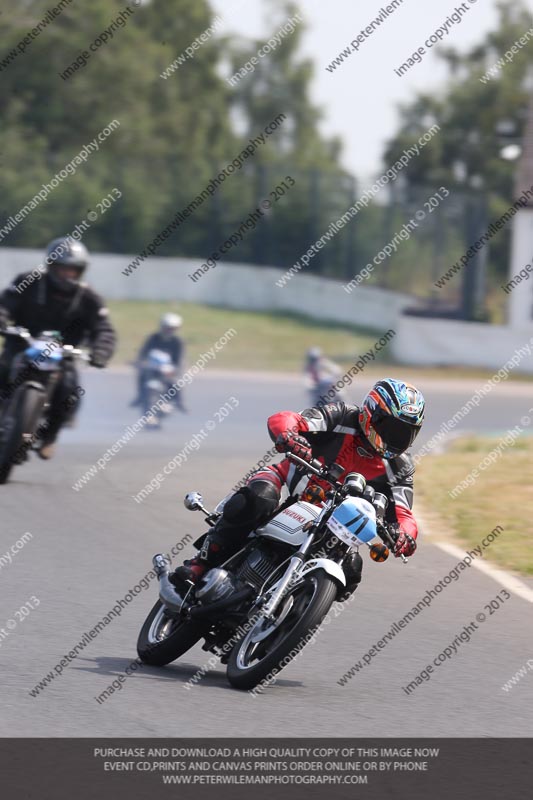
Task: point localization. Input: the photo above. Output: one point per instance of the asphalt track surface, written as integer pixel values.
(90, 547)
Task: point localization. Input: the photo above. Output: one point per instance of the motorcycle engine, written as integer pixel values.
(256, 568)
(217, 584)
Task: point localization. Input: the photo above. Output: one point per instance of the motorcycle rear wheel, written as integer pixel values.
(164, 639)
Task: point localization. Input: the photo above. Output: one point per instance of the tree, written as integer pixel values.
(175, 134)
(466, 154)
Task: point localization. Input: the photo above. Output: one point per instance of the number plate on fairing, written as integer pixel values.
(354, 522)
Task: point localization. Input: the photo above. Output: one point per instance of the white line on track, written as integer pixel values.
(510, 582)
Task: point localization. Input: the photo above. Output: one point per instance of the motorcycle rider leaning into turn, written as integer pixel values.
(371, 439)
(58, 301)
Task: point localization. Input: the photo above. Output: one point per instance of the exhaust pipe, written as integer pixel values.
(172, 600)
(197, 612)
(167, 592)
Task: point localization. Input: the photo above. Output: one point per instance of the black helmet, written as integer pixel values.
(66, 252)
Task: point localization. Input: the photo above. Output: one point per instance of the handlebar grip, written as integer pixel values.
(385, 533)
(390, 538)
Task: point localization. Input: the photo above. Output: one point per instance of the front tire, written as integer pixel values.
(266, 645)
(164, 639)
(23, 415)
(155, 416)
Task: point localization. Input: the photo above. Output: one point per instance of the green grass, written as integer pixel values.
(268, 341)
(502, 495)
(263, 342)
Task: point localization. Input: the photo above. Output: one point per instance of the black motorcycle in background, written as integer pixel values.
(34, 375)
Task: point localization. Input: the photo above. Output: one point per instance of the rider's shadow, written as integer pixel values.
(105, 665)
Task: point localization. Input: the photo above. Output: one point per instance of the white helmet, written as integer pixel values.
(171, 322)
(314, 354)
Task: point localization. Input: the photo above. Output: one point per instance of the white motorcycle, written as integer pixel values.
(158, 375)
(260, 607)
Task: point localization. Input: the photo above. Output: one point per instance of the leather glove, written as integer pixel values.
(291, 443)
(97, 360)
(405, 545)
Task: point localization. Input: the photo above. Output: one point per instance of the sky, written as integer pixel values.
(360, 99)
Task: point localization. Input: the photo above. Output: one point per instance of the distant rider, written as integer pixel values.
(58, 301)
(168, 340)
(321, 374)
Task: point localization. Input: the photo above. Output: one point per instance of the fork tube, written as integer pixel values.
(295, 562)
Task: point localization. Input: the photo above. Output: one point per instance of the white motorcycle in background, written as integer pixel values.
(323, 392)
(263, 602)
(321, 375)
(159, 374)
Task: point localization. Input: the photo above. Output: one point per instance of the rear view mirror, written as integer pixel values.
(193, 501)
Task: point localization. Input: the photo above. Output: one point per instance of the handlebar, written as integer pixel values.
(76, 352)
(313, 466)
(69, 351)
(15, 330)
(329, 474)
(321, 471)
(385, 534)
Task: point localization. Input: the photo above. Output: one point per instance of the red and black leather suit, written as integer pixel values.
(334, 435)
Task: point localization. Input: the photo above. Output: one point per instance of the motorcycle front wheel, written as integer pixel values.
(270, 644)
(20, 419)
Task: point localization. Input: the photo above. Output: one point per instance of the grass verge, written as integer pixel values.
(265, 341)
(269, 341)
(502, 495)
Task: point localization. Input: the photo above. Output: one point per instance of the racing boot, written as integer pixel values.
(48, 431)
(46, 443)
(47, 450)
(192, 570)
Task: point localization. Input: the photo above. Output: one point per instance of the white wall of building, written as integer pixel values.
(232, 285)
(419, 340)
(442, 342)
